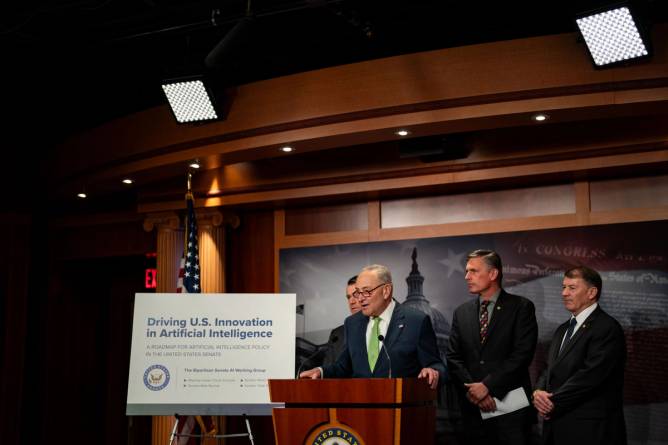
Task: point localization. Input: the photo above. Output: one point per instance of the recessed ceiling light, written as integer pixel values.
(287, 149)
(81, 195)
(402, 133)
(195, 164)
(127, 181)
(539, 117)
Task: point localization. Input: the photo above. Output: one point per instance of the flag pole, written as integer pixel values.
(189, 195)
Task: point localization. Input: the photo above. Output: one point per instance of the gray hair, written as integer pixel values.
(382, 272)
(491, 258)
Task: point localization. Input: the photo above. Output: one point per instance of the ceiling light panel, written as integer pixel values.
(612, 36)
(190, 101)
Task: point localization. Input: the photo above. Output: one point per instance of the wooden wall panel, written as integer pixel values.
(103, 240)
(629, 193)
(581, 203)
(534, 170)
(250, 268)
(86, 343)
(481, 206)
(479, 227)
(250, 257)
(336, 218)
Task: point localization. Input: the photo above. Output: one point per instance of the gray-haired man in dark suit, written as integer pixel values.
(492, 343)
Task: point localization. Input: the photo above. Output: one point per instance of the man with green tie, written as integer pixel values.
(406, 335)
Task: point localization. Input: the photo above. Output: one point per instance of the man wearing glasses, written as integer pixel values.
(406, 336)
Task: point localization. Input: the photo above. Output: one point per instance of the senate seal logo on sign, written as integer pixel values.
(331, 434)
(156, 377)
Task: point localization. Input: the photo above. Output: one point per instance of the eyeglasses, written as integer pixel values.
(359, 293)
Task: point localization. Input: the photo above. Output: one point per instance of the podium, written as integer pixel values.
(353, 411)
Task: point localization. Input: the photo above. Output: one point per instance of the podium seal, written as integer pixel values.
(334, 434)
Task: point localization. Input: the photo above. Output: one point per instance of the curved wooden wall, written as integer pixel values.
(478, 87)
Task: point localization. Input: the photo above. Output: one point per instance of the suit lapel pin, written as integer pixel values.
(401, 326)
(498, 308)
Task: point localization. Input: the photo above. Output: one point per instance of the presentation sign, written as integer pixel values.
(209, 353)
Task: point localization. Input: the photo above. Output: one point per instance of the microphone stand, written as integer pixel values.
(387, 354)
(308, 359)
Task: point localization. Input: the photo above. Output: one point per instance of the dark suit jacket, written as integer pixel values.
(335, 345)
(410, 343)
(587, 381)
(502, 363)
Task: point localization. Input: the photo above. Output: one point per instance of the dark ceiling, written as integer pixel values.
(71, 65)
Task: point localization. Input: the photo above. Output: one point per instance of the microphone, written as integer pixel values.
(308, 359)
(389, 360)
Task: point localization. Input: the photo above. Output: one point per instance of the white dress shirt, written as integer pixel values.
(580, 318)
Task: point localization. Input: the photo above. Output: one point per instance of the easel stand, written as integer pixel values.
(174, 436)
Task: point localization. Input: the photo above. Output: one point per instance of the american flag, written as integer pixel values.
(189, 283)
(189, 272)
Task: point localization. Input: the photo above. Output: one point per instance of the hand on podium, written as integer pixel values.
(311, 374)
(431, 375)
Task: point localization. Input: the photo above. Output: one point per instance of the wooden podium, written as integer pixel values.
(356, 411)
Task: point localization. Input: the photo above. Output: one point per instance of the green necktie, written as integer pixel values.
(374, 343)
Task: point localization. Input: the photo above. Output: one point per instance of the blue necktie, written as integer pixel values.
(569, 333)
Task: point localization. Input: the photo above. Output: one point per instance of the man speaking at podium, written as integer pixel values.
(384, 339)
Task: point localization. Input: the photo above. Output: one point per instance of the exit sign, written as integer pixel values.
(150, 278)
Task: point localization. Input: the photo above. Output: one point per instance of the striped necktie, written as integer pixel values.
(484, 321)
